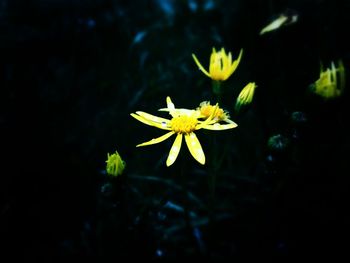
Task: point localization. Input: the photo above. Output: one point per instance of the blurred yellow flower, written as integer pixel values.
(277, 23)
(331, 82)
(245, 96)
(221, 65)
(115, 165)
(184, 122)
(205, 110)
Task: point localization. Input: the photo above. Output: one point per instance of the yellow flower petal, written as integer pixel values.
(200, 66)
(235, 63)
(151, 117)
(177, 112)
(229, 121)
(229, 58)
(174, 151)
(220, 127)
(195, 147)
(157, 140)
(170, 104)
(209, 120)
(151, 120)
(215, 65)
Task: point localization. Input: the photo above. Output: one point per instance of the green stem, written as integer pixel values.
(216, 87)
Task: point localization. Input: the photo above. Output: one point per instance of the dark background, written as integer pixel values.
(71, 72)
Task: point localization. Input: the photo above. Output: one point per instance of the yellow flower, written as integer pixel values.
(331, 83)
(245, 96)
(221, 66)
(184, 123)
(205, 110)
(115, 165)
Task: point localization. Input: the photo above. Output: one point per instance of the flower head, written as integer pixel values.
(184, 123)
(115, 165)
(205, 110)
(331, 82)
(221, 65)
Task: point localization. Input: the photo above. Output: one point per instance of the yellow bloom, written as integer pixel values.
(331, 83)
(245, 96)
(184, 122)
(221, 66)
(115, 165)
(205, 110)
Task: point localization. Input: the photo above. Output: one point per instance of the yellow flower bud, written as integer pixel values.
(115, 165)
(331, 82)
(245, 96)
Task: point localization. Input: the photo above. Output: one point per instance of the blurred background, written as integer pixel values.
(71, 72)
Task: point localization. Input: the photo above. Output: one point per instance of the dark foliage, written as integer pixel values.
(71, 72)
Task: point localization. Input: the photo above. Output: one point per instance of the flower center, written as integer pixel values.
(183, 124)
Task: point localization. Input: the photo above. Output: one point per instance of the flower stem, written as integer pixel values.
(216, 87)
